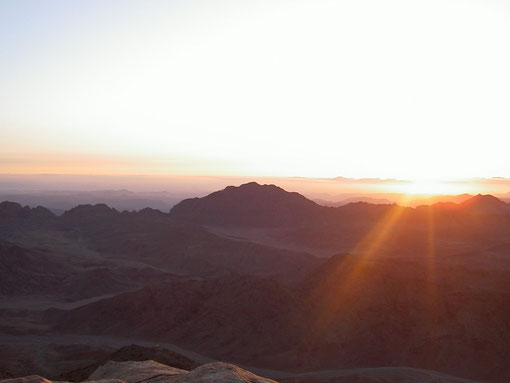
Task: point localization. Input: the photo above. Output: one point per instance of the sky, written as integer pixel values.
(405, 89)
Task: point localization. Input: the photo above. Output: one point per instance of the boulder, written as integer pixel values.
(135, 372)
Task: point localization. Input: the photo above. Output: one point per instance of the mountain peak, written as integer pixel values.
(482, 199)
(248, 204)
(256, 187)
(15, 210)
(12, 208)
(485, 203)
(251, 184)
(88, 210)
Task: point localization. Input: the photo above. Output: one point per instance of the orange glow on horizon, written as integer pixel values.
(434, 187)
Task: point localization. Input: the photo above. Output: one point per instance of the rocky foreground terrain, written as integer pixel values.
(154, 372)
(149, 371)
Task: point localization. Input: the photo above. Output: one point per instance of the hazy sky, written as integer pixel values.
(360, 88)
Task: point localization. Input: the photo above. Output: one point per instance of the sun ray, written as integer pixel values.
(431, 295)
(327, 302)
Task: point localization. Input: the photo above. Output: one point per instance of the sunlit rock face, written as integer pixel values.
(132, 372)
(152, 372)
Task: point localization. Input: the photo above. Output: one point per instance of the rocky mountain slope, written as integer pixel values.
(237, 317)
(351, 312)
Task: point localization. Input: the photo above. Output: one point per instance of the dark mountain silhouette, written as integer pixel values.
(14, 217)
(250, 204)
(60, 201)
(268, 205)
(485, 204)
(15, 210)
(349, 200)
(88, 212)
(294, 221)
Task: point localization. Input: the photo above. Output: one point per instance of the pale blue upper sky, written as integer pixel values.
(360, 88)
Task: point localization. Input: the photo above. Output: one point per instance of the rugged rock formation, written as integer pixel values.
(220, 372)
(133, 352)
(135, 372)
(153, 372)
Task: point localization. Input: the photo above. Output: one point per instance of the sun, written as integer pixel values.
(428, 186)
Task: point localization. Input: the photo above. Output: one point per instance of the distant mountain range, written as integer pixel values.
(388, 198)
(300, 222)
(269, 205)
(60, 201)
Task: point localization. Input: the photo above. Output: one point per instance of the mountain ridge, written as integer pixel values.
(248, 204)
(238, 195)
